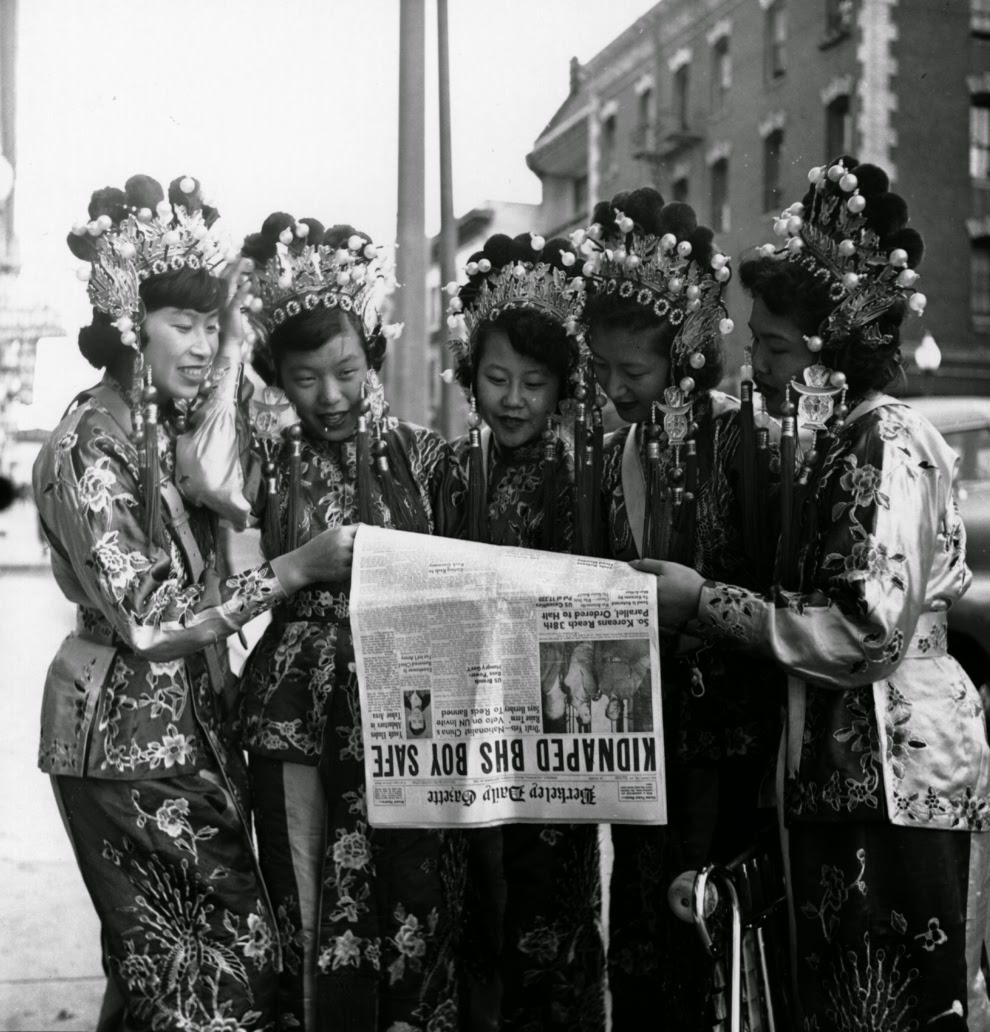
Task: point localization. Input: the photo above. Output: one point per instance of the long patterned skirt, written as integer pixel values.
(890, 927)
(391, 909)
(533, 939)
(188, 937)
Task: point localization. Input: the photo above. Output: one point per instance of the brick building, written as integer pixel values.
(726, 104)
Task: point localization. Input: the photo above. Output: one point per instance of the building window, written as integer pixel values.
(580, 195)
(679, 189)
(721, 73)
(838, 18)
(682, 86)
(838, 127)
(608, 145)
(979, 17)
(979, 271)
(979, 136)
(720, 196)
(773, 146)
(645, 118)
(776, 39)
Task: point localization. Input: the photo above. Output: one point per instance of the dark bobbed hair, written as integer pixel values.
(793, 292)
(193, 289)
(311, 330)
(654, 217)
(531, 334)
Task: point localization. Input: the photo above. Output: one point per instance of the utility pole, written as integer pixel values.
(449, 417)
(408, 361)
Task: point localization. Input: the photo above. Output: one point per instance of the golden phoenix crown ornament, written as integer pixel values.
(302, 276)
(831, 237)
(143, 242)
(660, 273)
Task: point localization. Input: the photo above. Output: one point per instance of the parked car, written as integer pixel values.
(965, 424)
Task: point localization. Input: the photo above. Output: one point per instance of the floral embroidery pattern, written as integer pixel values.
(836, 891)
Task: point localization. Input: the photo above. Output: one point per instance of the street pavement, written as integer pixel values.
(50, 975)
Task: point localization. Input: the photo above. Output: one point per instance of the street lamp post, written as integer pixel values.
(927, 357)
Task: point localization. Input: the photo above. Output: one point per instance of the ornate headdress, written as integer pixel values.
(851, 233)
(301, 266)
(135, 233)
(641, 250)
(528, 273)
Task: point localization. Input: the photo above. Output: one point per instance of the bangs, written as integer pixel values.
(193, 289)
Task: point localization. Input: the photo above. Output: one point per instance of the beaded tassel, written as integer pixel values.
(362, 445)
(152, 463)
(764, 552)
(273, 530)
(582, 519)
(751, 500)
(690, 494)
(654, 493)
(294, 501)
(595, 473)
(549, 471)
(477, 507)
(407, 512)
(788, 435)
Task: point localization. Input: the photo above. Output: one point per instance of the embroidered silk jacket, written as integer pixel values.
(133, 693)
(883, 725)
(515, 492)
(308, 649)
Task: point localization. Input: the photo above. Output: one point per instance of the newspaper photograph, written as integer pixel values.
(504, 684)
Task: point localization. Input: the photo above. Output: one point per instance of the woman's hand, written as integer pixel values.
(678, 592)
(327, 557)
(238, 278)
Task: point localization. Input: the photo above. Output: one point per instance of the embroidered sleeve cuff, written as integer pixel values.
(726, 611)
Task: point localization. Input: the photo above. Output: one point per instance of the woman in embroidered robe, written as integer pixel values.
(654, 321)
(887, 768)
(133, 719)
(366, 915)
(533, 942)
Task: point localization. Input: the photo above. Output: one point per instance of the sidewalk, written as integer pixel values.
(50, 975)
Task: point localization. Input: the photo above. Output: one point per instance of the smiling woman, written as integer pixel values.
(135, 710)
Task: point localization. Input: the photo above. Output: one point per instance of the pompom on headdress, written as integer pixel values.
(851, 232)
(527, 273)
(300, 266)
(135, 233)
(641, 250)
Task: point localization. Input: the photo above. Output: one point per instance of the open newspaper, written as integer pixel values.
(505, 684)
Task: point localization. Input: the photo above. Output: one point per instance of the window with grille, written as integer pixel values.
(979, 136)
(682, 86)
(721, 73)
(776, 39)
(838, 128)
(773, 146)
(720, 196)
(979, 270)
